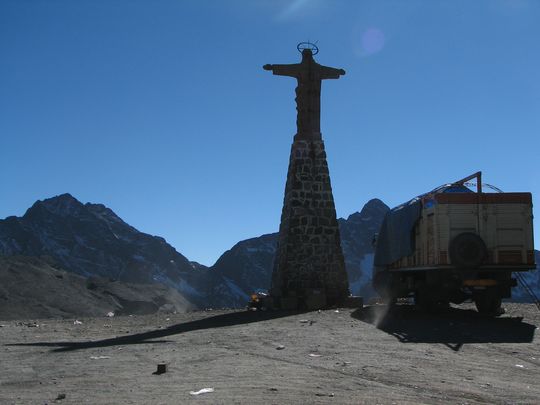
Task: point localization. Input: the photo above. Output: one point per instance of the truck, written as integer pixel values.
(454, 244)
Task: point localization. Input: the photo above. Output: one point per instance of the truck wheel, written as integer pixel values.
(467, 250)
(488, 302)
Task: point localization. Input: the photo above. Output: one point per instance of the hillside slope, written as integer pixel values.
(91, 240)
(34, 288)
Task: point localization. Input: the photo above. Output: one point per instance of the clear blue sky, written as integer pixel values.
(161, 109)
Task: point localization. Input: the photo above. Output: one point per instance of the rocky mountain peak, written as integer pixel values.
(375, 205)
(62, 205)
(374, 208)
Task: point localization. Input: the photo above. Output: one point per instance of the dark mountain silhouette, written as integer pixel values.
(244, 269)
(357, 233)
(91, 240)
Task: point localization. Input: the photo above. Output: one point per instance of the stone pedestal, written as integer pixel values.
(309, 269)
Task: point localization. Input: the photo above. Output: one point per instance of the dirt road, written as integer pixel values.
(330, 357)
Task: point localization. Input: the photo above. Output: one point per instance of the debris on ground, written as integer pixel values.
(161, 369)
(280, 347)
(60, 397)
(77, 322)
(311, 322)
(520, 365)
(315, 355)
(99, 357)
(110, 314)
(201, 391)
(28, 324)
(132, 367)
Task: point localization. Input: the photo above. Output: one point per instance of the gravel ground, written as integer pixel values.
(329, 357)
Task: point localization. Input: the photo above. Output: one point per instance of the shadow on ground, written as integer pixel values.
(452, 327)
(217, 321)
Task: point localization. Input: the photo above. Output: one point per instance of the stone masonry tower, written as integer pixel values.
(309, 269)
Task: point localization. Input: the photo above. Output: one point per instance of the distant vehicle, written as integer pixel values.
(453, 244)
(259, 301)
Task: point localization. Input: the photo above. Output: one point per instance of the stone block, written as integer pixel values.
(288, 303)
(315, 300)
(309, 254)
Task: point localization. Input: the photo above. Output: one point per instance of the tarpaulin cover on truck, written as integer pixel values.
(396, 236)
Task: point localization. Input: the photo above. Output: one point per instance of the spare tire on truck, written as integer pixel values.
(467, 250)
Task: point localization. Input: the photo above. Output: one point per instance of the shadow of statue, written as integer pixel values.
(452, 327)
(212, 322)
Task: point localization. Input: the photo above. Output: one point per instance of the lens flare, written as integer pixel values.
(372, 41)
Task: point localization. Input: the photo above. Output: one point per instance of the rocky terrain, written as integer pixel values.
(248, 266)
(90, 240)
(339, 356)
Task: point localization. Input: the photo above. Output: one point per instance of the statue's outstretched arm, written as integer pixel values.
(292, 70)
(331, 73)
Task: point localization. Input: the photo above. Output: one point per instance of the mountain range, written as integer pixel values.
(90, 240)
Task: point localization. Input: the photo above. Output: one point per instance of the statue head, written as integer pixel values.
(307, 55)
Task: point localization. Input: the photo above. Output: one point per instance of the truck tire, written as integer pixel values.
(488, 302)
(467, 250)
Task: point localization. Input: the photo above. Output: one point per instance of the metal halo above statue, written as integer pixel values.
(308, 45)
